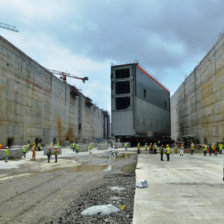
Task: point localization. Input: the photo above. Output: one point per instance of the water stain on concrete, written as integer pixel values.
(88, 168)
(123, 156)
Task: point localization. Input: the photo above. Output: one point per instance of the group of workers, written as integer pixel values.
(152, 148)
(34, 147)
(212, 148)
(75, 147)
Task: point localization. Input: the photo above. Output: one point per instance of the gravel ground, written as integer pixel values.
(102, 195)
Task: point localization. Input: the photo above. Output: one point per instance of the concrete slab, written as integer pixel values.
(186, 189)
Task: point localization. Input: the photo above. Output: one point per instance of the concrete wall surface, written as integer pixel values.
(36, 104)
(197, 107)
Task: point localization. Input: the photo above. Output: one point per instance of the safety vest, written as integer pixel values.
(145, 146)
(77, 147)
(49, 152)
(220, 147)
(192, 147)
(161, 149)
(6, 152)
(168, 150)
(90, 147)
(24, 148)
(58, 144)
(125, 145)
(138, 146)
(73, 145)
(205, 148)
(56, 151)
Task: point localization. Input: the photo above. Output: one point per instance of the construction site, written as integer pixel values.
(65, 160)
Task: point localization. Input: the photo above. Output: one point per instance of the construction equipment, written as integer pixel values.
(64, 75)
(8, 27)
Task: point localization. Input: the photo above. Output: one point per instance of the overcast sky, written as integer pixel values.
(84, 37)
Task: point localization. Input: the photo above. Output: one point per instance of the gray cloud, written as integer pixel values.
(162, 35)
(159, 33)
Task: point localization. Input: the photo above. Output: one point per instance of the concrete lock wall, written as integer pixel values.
(36, 104)
(197, 107)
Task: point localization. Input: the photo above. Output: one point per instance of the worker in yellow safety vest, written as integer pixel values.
(161, 152)
(24, 151)
(205, 148)
(168, 152)
(90, 148)
(146, 146)
(126, 147)
(220, 148)
(192, 148)
(138, 148)
(56, 154)
(77, 148)
(6, 154)
(73, 147)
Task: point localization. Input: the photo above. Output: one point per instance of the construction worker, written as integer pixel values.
(138, 148)
(150, 148)
(73, 147)
(126, 147)
(182, 150)
(56, 154)
(192, 148)
(205, 148)
(24, 151)
(161, 152)
(77, 148)
(90, 148)
(211, 148)
(0, 146)
(146, 146)
(155, 148)
(220, 148)
(34, 152)
(49, 154)
(58, 144)
(6, 154)
(27, 147)
(38, 146)
(216, 149)
(168, 152)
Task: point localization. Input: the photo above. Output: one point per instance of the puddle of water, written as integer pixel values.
(88, 168)
(123, 156)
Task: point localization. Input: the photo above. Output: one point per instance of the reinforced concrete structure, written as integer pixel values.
(34, 104)
(197, 107)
